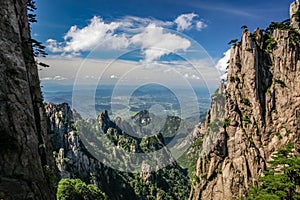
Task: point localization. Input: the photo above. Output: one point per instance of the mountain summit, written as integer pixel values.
(262, 111)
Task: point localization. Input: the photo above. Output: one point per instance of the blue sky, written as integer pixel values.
(210, 25)
(223, 18)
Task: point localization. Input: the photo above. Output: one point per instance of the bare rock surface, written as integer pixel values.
(26, 164)
(262, 113)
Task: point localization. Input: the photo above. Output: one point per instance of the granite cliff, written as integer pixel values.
(26, 164)
(262, 111)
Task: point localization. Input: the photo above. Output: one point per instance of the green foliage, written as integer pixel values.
(245, 101)
(280, 82)
(31, 5)
(253, 35)
(234, 79)
(281, 178)
(244, 27)
(171, 182)
(238, 64)
(285, 25)
(246, 120)
(39, 50)
(234, 41)
(73, 189)
(198, 143)
(66, 160)
(75, 133)
(43, 64)
(188, 159)
(171, 126)
(226, 122)
(195, 179)
(270, 45)
(150, 144)
(250, 50)
(294, 37)
(297, 16)
(278, 135)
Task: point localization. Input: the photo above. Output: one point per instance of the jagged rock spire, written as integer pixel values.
(295, 21)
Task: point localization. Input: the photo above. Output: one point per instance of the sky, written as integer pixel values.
(117, 41)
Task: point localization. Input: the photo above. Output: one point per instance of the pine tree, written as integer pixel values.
(38, 47)
(280, 179)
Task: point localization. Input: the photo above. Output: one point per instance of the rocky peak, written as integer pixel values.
(105, 122)
(295, 15)
(142, 118)
(74, 160)
(262, 102)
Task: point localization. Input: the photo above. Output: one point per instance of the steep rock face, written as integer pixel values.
(213, 147)
(262, 112)
(25, 159)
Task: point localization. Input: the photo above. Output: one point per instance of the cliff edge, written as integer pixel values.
(262, 111)
(25, 158)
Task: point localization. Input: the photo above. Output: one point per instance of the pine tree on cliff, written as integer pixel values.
(281, 178)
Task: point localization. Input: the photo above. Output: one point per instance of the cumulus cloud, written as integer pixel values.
(96, 34)
(223, 63)
(188, 21)
(155, 42)
(126, 34)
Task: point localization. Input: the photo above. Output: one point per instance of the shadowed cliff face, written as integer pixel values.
(25, 158)
(262, 112)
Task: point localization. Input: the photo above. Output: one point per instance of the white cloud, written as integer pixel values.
(188, 21)
(54, 46)
(59, 78)
(113, 76)
(200, 25)
(133, 23)
(46, 79)
(223, 63)
(96, 34)
(126, 34)
(55, 78)
(155, 42)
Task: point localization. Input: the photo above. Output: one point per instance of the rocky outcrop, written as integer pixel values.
(75, 145)
(262, 112)
(25, 159)
(73, 160)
